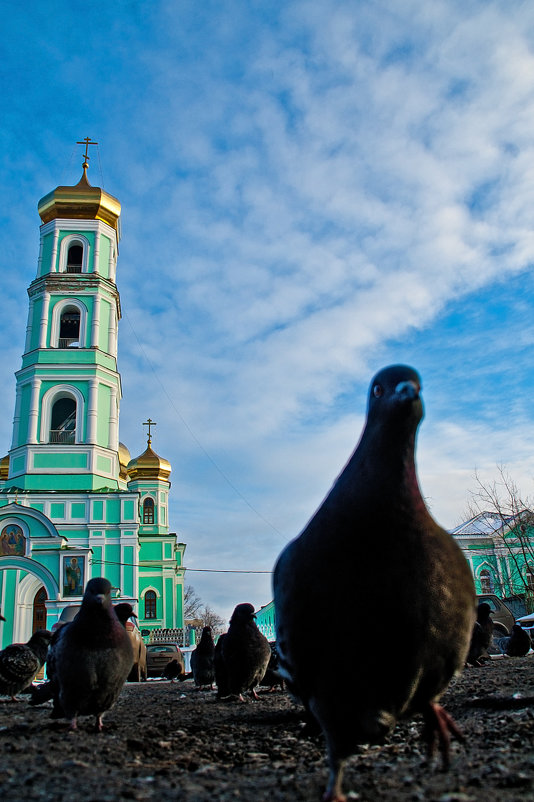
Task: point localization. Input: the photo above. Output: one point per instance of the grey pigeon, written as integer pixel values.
(173, 670)
(20, 662)
(202, 660)
(517, 644)
(373, 548)
(481, 636)
(93, 656)
(124, 611)
(219, 667)
(245, 652)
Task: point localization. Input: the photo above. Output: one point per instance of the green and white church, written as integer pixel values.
(73, 504)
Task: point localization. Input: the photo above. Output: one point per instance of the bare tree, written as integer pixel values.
(514, 528)
(192, 603)
(211, 619)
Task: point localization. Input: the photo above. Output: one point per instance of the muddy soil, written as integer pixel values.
(166, 741)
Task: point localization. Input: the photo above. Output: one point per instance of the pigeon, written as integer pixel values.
(92, 656)
(20, 662)
(517, 644)
(245, 652)
(124, 611)
(272, 676)
(173, 670)
(481, 636)
(219, 667)
(202, 660)
(372, 547)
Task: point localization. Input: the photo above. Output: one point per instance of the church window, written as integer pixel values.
(148, 511)
(69, 328)
(63, 421)
(529, 578)
(486, 584)
(74, 258)
(150, 604)
(39, 610)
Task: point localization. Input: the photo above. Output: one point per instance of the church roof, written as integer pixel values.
(80, 202)
(149, 466)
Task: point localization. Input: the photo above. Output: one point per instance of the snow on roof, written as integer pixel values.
(485, 523)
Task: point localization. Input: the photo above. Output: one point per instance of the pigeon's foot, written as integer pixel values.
(439, 727)
(99, 723)
(333, 791)
(15, 699)
(73, 723)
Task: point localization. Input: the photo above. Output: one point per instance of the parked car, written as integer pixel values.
(502, 617)
(139, 671)
(527, 622)
(159, 654)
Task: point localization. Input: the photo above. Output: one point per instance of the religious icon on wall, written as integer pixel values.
(73, 579)
(12, 541)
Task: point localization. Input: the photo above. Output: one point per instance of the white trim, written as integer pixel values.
(47, 402)
(66, 242)
(57, 311)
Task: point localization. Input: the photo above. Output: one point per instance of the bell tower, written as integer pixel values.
(65, 428)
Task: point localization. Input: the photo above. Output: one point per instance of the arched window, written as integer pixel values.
(39, 610)
(69, 328)
(150, 604)
(75, 258)
(148, 511)
(529, 578)
(486, 584)
(63, 421)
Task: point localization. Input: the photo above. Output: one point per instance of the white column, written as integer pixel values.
(16, 418)
(29, 327)
(95, 324)
(96, 259)
(92, 411)
(43, 328)
(53, 260)
(40, 260)
(112, 330)
(112, 268)
(113, 421)
(34, 410)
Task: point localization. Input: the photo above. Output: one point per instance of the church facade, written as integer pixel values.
(73, 504)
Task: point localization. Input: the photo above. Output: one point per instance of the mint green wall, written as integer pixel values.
(105, 247)
(98, 510)
(60, 461)
(37, 307)
(103, 332)
(57, 510)
(48, 241)
(129, 510)
(111, 568)
(129, 589)
(150, 551)
(169, 600)
(104, 396)
(37, 506)
(113, 510)
(24, 413)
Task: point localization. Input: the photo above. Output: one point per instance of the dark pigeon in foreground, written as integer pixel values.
(20, 662)
(202, 660)
(517, 644)
(373, 547)
(93, 656)
(481, 636)
(245, 652)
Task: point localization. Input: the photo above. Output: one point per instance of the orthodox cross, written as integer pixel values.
(87, 141)
(149, 423)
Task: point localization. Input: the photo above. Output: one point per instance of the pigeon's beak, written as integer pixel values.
(100, 598)
(408, 390)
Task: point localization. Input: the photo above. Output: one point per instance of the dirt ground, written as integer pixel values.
(166, 741)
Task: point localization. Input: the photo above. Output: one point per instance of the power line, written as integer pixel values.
(183, 568)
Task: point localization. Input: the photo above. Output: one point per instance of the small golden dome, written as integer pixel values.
(149, 466)
(124, 459)
(4, 467)
(81, 202)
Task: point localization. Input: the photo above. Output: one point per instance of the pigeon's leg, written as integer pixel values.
(254, 694)
(439, 727)
(99, 723)
(15, 699)
(333, 791)
(74, 723)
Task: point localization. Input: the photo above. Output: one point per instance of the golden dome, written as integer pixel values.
(149, 466)
(81, 202)
(4, 467)
(124, 459)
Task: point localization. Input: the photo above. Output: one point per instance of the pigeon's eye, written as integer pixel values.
(378, 390)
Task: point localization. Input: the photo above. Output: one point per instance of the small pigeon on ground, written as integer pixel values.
(245, 652)
(93, 656)
(481, 636)
(202, 660)
(219, 667)
(272, 676)
(372, 548)
(173, 670)
(517, 644)
(20, 662)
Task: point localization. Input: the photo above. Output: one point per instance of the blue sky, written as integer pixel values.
(310, 191)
